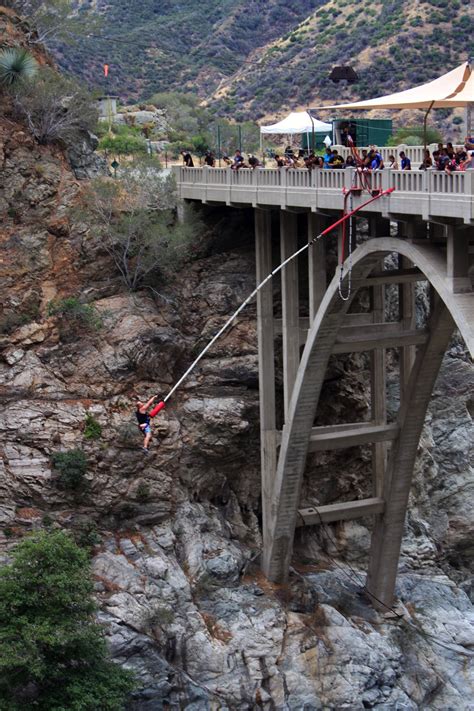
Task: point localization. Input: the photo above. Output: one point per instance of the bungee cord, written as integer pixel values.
(259, 286)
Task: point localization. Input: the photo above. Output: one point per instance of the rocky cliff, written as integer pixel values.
(175, 536)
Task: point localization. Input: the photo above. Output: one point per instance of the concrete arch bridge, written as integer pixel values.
(431, 248)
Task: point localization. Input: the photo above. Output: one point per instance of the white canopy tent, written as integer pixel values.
(297, 122)
(456, 88)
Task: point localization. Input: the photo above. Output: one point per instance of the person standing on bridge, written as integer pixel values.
(187, 159)
(143, 418)
(405, 162)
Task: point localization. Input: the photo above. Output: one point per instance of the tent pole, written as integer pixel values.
(424, 127)
(313, 146)
(261, 149)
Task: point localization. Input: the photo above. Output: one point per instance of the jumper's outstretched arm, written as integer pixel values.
(150, 402)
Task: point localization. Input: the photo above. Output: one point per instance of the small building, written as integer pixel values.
(107, 106)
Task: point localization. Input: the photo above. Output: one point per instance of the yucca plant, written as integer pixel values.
(16, 66)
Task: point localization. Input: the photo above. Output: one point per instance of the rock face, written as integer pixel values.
(176, 535)
(177, 614)
(84, 162)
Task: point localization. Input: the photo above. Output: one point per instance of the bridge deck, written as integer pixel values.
(425, 194)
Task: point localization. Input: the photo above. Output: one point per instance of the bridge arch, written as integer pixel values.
(450, 310)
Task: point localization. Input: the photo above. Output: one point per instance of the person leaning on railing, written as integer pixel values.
(427, 161)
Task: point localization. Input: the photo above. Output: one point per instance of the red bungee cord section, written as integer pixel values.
(346, 216)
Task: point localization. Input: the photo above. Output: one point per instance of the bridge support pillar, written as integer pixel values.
(378, 385)
(266, 360)
(388, 530)
(407, 316)
(317, 279)
(458, 259)
(290, 303)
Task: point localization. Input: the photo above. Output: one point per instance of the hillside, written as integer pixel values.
(158, 46)
(252, 58)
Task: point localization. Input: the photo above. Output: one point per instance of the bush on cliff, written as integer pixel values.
(133, 218)
(74, 317)
(71, 467)
(55, 109)
(53, 654)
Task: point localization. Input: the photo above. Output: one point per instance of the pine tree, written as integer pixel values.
(53, 655)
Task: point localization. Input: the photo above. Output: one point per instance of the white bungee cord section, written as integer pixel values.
(229, 321)
(249, 298)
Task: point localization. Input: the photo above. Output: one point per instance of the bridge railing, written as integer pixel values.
(415, 181)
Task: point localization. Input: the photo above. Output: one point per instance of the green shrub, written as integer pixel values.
(92, 429)
(75, 317)
(53, 654)
(16, 66)
(55, 109)
(123, 145)
(72, 468)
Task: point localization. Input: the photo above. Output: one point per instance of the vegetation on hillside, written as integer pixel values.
(50, 21)
(55, 108)
(153, 46)
(248, 59)
(52, 653)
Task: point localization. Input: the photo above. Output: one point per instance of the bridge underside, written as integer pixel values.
(439, 256)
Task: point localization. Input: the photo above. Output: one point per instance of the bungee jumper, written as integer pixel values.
(144, 417)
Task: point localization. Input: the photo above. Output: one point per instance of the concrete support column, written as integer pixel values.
(266, 359)
(378, 390)
(407, 315)
(290, 303)
(388, 529)
(317, 279)
(458, 259)
(379, 227)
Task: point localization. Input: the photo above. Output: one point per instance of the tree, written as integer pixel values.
(17, 65)
(134, 220)
(52, 654)
(55, 109)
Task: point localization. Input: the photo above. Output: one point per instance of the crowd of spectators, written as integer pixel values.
(446, 158)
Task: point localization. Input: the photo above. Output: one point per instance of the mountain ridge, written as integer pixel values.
(251, 59)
